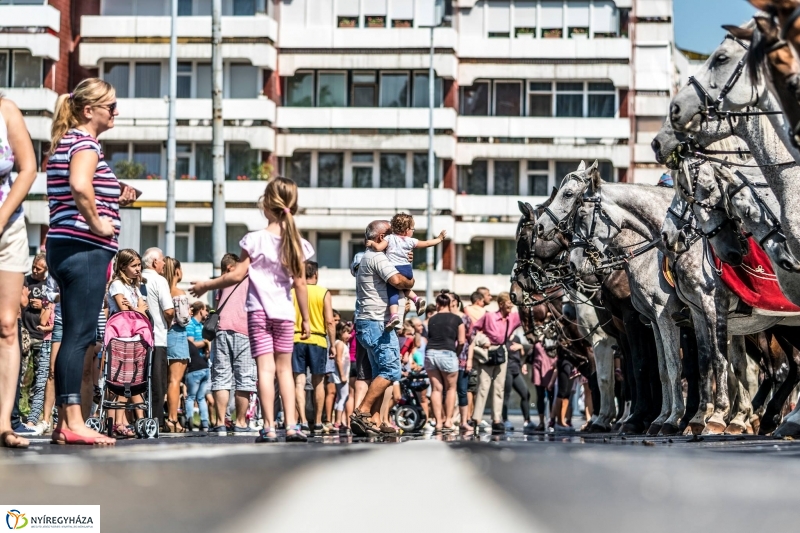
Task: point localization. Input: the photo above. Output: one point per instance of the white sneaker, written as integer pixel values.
(484, 426)
(44, 426)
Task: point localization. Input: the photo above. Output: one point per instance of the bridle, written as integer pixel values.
(562, 224)
(774, 221)
(789, 23)
(711, 107)
(688, 228)
(692, 169)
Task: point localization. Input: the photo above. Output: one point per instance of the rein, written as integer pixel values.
(790, 22)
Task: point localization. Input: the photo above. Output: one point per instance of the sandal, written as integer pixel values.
(173, 426)
(69, 437)
(267, 434)
(121, 431)
(387, 429)
(5, 444)
(296, 436)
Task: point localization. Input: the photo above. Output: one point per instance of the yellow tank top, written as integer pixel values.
(316, 305)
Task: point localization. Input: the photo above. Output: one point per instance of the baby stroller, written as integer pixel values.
(408, 414)
(128, 348)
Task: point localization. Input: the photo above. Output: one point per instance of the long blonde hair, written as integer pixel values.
(69, 107)
(171, 267)
(280, 200)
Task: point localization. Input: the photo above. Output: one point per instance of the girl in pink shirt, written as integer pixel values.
(274, 259)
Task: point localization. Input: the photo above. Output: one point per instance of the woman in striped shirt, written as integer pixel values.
(84, 197)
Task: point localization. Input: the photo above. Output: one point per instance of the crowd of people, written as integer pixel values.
(275, 333)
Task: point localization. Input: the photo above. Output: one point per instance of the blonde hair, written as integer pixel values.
(122, 261)
(69, 107)
(280, 200)
(171, 267)
(503, 297)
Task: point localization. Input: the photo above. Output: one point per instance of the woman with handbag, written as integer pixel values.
(491, 358)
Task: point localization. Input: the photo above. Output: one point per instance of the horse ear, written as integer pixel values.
(764, 24)
(593, 173)
(526, 209)
(745, 34)
(553, 193)
(582, 166)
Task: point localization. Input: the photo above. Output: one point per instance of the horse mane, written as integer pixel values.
(756, 56)
(733, 144)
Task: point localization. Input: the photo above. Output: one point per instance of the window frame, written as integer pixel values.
(538, 172)
(371, 165)
(489, 98)
(409, 79)
(313, 85)
(375, 84)
(7, 76)
(494, 97)
(529, 92)
(317, 74)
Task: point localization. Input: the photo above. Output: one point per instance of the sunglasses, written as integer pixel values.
(110, 107)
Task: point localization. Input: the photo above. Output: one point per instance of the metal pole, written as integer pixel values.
(171, 150)
(431, 167)
(218, 231)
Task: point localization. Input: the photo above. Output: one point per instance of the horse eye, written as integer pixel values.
(568, 194)
(722, 59)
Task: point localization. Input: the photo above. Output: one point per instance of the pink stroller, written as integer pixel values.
(128, 348)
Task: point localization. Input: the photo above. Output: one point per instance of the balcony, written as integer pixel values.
(145, 119)
(44, 18)
(445, 65)
(659, 9)
(549, 127)
(475, 46)
(444, 146)
(382, 118)
(618, 73)
(32, 99)
(33, 16)
(396, 39)
(493, 206)
(618, 154)
(250, 38)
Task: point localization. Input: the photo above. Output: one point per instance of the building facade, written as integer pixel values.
(334, 94)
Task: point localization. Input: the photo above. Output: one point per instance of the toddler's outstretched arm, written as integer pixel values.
(378, 246)
(432, 242)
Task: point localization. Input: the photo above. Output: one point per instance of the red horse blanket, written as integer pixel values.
(754, 281)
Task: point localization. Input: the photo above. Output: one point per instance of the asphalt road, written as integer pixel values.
(509, 483)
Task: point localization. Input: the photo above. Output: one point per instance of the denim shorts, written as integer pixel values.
(382, 348)
(177, 344)
(58, 329)
(442, 360)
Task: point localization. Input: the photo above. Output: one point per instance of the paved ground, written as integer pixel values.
(511, 483)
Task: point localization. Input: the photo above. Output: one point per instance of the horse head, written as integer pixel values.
(565, 201)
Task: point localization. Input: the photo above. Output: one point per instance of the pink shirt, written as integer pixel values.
(270, 284)
(493, 325)
(234, 315)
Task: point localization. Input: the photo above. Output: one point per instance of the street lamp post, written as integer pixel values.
(171, 149)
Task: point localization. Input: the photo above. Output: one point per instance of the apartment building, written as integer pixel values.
(334, 94)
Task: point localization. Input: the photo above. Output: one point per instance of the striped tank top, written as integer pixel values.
(66, 222)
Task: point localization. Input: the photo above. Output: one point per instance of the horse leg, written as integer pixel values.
(639, 339)
(604, 359)
(744, 406)
(691, 373)
(757, 347)
(703, 327)
(670, 337)
(662, 345)
(719, 360)
(788, 340)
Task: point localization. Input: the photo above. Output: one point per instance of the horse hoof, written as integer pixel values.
(714, 428)
(632, 428)
(669, 429)
(696, 428)
(597, 428)
(767, 426)
(734, 429)
(787, 429)
(654, 429)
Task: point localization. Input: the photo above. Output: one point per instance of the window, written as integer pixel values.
(393, 171)
(300, 90)
(538, 178)
(421, 256)
(601, 100)
(356, 246)
(27, 70)
(203, 80)
(473, 178)
(507, 99)
(244, 8)
(506, 178)
(362, 170)
(330, 170)
(298, 168)
(421, 90)
(204, 162)
(569, 99)
(148, 155)
(184, 80)
(402, 14)
(233, 236)
(182, 234)
(184, 8)
(244, 81)
(365, 89)
(394, 90)
(114, 153)
(329, 247)
(540, 99)
(421, 171)
(242, 161)
(473, 258)
(475, 99)
(147, 80)
(332, 89)
(183, 162)
(552, 19)
(499, 19)
(203, 245)
(4, 69)
(148, 236)
(565, 167)
(578, 18)
(605, 21)
(525, 18)
(505, 253)
(117, 74)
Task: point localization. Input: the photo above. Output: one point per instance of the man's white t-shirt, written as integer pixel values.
(159, 300)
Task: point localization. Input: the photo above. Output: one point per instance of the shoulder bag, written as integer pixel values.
(498, 354)
(211, 324)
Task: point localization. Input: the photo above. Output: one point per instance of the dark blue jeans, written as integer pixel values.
(80, 270)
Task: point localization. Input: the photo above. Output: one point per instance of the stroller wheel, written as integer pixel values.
(94, 423)
(407, 418)
(138, 427)
(150, 428)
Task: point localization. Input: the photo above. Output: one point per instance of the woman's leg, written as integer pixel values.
(350, 405)
(524, 397)
(177, 368)
(436, 396)
(10, 296)
(50, 387)
(81, 274)
(462, 384)
(507, 393)
(450, 379)
(39, 385)
(540, 403)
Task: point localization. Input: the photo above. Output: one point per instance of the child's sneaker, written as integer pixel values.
(421, 303)
(394, 321)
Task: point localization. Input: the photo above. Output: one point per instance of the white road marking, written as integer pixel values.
(414, 485)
